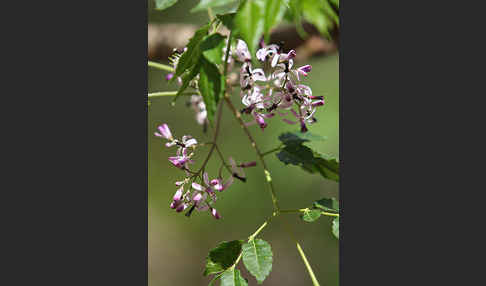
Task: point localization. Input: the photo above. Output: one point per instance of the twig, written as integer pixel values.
(237, 114)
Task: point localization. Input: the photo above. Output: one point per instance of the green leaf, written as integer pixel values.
(205, 4)
(312, 12)
(227, 20)
(211, 84)
(295, 14)
(327, 166)
(335, 227)
(232, 277)
(190, 57)
(258, 258)
(311, 215)
(327, 204)
(330, 12)
(186, 79)
(274, 12)
(222, 257)
(212, 48)
(250, 21)
(211, 283)
(299, 137)
(164, 4)
(310, 161)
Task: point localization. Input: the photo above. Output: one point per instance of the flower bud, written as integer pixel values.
(169, 76)
(181, 207)
(178, 194)
(248, 164)
(215, 214)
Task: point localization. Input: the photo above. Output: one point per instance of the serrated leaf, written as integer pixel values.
(191, 56)
(164, 4)
(328, 167)
(212, 48)
(232, 277)
(222, 257)
(274, 12)
(327, 204)
(335, 227)
(205, 4)
(311, 215)
(258, 258)
(211, 84)
(215, 278)
(310, 161)
(227, 20)
(186, 79)
(299, 137)
(249, 21)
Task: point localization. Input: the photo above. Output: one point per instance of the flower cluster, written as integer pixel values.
(197, 196)
(275, 87)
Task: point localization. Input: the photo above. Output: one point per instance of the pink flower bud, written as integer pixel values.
(291, 55)
(197, 197)
(305, 69)
(178, 161)
(318, 103)
(303, 128)
(215, 214)
(181, 207)
(259, 119)
(164, 132)
(248, 164)
(178, 194)
(169, 76)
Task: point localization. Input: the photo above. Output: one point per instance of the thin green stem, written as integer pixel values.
(273, 150)
(251, 237)
(167, 93)
(226, 56)
(210, 14)
(307, 265)
(161, 66)
(237, 114)
(307, 209)
(215, 137)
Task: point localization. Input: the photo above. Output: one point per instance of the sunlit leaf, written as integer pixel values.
(311, 215)
(222, 257)
(164, 4)
(205, 4)
(232, 277)
(274, 12)
(211, 84)
(227, 20)
(190, 57)
(258, 258)
(335, 227)
(250, 23)
(186, 79)
(212, 48)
